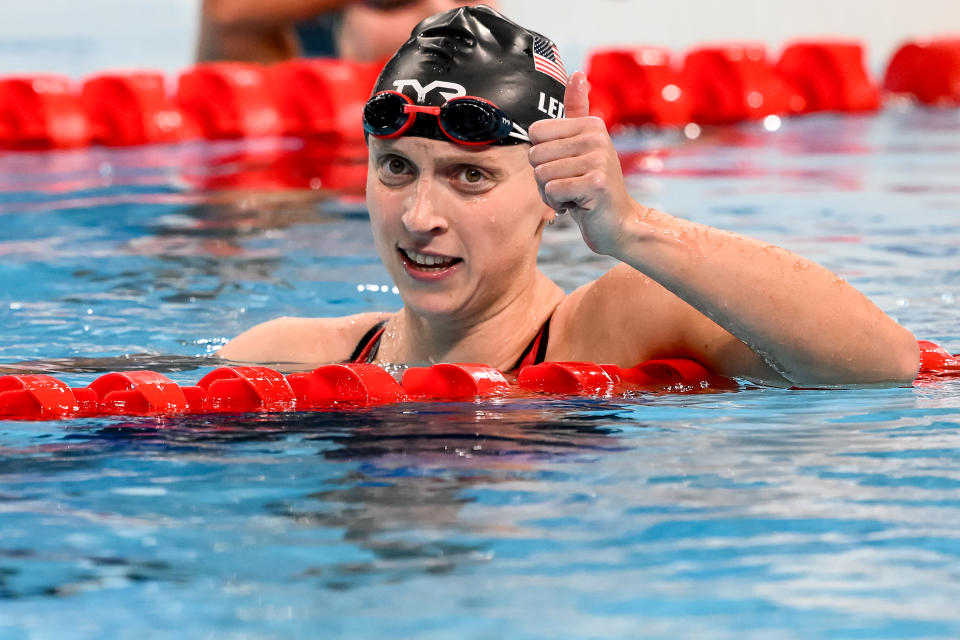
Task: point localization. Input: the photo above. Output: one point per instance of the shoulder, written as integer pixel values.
(301, 340)
(623, 317)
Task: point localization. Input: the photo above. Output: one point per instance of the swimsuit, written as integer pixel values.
(369, 344)
(536, 351)
(316, 36)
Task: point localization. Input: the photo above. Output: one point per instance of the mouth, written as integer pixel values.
(427, 264)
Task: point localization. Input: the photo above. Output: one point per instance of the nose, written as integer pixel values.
(421, 215)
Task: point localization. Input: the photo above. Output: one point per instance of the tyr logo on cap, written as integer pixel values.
(453, 90)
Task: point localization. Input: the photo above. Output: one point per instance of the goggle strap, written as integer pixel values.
(416, 108)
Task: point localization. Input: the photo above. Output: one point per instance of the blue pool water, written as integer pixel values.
(759, 513)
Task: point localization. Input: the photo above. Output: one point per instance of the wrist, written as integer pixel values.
(638, 228)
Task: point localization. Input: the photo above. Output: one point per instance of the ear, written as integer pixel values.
(547, 216)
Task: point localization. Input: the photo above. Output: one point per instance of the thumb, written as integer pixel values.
(576, 103)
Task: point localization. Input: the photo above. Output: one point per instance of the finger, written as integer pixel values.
(590, 127)
(565, 147)
(546, 130)
(560, 169)
(565, 194)
(576, 101)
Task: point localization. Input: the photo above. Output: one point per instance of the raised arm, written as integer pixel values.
(255, 30)
(264, 13)
(798, 318)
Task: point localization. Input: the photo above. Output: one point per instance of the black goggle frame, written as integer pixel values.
(399, 113)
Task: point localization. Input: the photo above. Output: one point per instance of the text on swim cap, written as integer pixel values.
(550, 106)
(453, 90)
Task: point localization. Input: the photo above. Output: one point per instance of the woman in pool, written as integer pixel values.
(459, 194)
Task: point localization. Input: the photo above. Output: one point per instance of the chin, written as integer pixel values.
(431, 305)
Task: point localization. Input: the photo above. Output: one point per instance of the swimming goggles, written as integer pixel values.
(465, 120)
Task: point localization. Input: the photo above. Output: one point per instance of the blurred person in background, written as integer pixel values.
(274, 30)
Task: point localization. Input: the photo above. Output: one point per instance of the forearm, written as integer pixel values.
(264, 46)
(806, 322)
(258, 14)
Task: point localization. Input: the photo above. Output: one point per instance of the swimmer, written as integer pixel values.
(266, 32)
(476, 142)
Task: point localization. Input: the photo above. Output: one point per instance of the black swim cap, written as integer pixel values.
(475, 51)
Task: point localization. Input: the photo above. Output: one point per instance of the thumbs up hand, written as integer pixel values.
(578, 171)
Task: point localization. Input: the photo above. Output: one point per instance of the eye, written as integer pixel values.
(394, 170)
(472, 179)
(396, 166)
(472, 175)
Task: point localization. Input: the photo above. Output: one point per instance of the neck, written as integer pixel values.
(496, 338)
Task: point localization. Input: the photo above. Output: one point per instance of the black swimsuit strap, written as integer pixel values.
(544, 339)
(366, 349)
(536, 351)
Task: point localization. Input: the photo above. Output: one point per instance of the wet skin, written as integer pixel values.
(458, 230)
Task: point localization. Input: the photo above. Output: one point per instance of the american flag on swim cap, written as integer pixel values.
(547, 60)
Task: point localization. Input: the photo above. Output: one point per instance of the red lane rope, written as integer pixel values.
(264, 390)
(322, 98)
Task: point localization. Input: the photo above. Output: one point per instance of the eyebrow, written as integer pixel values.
(455, 157)
(466, 156)
(459, 158)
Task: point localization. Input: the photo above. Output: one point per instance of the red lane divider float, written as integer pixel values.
(830, 76)
(322, 97)
(935, 361)
(36, 397)
(635, 87)
(42, 111)
(354, 383)
(669, 372)
(735, 82)
(247, 390)
(568, 378)
(928, 70)
(138, 393)
(134, 108)
(264, 390)
(230, 100)
(454, 382)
